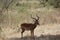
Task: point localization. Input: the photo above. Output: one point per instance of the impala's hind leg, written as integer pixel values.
(22, 32)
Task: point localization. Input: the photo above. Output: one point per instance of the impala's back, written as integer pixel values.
(27, 26)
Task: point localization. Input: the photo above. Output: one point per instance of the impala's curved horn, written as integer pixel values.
(37, 17)
(33, 18)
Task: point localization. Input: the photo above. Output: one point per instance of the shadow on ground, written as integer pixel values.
(42, 37)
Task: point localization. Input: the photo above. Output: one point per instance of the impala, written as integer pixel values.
(30, 26)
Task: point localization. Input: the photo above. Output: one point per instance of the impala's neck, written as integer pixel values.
(35, 25)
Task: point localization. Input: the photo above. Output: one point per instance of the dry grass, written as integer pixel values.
(43, 32)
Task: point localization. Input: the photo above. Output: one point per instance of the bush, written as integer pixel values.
(55, 3)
